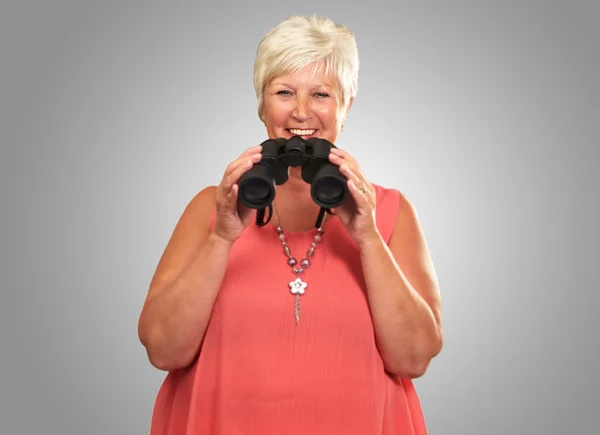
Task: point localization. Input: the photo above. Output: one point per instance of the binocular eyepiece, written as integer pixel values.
(328, 185)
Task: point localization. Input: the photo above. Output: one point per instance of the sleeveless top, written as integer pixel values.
(258, 372)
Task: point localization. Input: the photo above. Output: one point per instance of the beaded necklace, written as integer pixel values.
(298, 286)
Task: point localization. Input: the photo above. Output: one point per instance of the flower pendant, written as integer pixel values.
(297, 287)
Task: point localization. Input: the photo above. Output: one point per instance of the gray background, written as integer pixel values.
(485, 114)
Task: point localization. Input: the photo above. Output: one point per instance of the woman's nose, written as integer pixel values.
(301, 110)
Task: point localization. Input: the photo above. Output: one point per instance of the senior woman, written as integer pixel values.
(285, 328)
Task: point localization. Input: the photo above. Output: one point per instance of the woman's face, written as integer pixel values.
(303, 104)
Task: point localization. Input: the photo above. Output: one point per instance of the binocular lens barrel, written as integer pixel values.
(257, 187)
(328, 188)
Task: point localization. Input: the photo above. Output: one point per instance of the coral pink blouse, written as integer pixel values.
(259, 373)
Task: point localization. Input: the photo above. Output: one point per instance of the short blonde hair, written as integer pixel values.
(300, 41)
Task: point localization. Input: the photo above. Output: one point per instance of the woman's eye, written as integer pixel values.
(283, 93)
(321, 95)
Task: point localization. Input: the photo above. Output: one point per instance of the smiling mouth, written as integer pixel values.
(304, 133)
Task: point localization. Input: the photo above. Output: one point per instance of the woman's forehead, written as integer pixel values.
(308, 76)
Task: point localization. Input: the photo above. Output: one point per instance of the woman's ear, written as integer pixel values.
(347, 111)
(349, 105)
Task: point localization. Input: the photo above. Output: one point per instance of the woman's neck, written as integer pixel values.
(295, 207)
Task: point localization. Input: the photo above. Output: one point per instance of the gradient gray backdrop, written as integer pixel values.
(485, 114)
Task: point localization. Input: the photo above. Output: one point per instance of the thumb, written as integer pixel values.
(245, 214)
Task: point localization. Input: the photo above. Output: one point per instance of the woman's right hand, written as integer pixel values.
(233, 216)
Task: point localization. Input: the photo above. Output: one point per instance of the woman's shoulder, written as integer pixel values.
(200, 208)
(391, 196)
(390, 202)
(387, 198)
(203, 200)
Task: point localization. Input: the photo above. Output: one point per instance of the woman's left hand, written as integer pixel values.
(357, 213)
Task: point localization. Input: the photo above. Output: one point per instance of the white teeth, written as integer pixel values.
(302, 132)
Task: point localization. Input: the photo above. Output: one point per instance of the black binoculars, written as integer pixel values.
(328, 185)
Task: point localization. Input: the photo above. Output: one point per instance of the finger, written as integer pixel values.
(350, 174)
(252, 150)
(244, 212)
(226, 197)
(354, 174)
(348, 160)
(252, 153)
(227, 190)
(236, 169)
(243, 167)
(358, 181)
(344, 155)
(230, 187)
(359, 193)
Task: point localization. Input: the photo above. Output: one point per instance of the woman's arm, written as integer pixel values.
(184, 287)
(404, 297)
